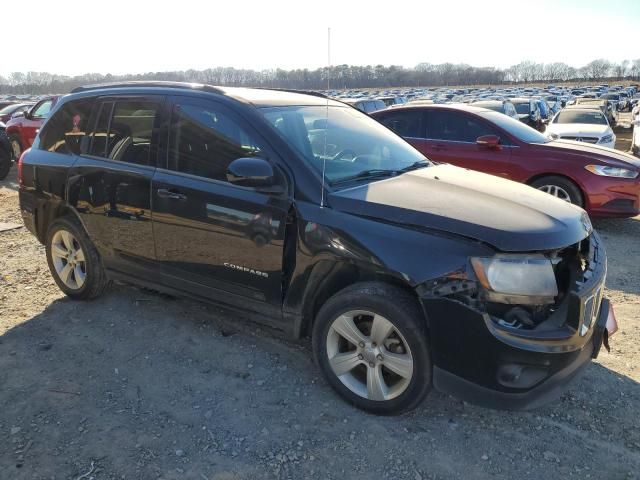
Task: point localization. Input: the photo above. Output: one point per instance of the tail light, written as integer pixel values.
(20, 161)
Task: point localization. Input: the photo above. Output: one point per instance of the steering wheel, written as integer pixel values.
(342, 153)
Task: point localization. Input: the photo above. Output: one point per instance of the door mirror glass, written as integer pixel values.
(250, 172)
(490, 141)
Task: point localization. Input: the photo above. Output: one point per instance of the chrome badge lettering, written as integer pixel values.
(257, 273)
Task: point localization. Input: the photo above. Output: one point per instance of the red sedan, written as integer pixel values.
(603, 181)
(22, 130)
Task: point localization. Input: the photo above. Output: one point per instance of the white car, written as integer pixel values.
(583, 125)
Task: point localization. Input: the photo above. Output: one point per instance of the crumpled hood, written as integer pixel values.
(507, 215)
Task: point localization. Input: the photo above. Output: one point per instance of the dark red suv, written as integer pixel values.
(603, 181)
(22, 130)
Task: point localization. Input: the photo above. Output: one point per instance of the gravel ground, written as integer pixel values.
(136, 385)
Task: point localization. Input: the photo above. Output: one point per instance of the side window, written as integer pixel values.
(405, 124)
(203, 141)
(42, 110)
(456, 127)
(65, 131)
(124, 131)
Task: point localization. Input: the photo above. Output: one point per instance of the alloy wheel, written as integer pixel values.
(556, 191)
(369, 355)
(68, 259)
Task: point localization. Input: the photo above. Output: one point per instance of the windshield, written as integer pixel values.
(9, 109)
(581, 116)
(350, 143)
(522, 108)
(522, 132)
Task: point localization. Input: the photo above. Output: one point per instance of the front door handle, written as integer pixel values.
(171, 194)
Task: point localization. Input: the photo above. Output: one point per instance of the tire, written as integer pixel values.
(5, 164)
(16, 147)
(566, 189)
(88, 280)
(359, 306)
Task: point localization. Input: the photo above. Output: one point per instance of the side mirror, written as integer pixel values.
(489, 141)
(250, 172)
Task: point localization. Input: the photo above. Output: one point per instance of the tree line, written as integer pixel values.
(343, 76)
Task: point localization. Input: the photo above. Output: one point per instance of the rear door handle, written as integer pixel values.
(171, 194)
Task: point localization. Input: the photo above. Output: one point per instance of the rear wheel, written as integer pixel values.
(371, 345)
(74, 261)
(560, 187)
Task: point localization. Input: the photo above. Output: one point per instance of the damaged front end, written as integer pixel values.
(518, 326)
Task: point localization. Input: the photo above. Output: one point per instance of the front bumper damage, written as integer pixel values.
(481, 360)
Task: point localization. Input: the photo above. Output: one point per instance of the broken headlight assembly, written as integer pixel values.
(516, 279)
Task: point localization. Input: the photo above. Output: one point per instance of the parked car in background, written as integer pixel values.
(502, 106)
(22, 130)
(620, 101)
(608, 107)
(366, 105)
(582, 124)
(528, 111)
(604, 182)
(6, 103)
(13, 110)
(394, 266)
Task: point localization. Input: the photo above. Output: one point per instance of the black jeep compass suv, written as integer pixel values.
(306, 214)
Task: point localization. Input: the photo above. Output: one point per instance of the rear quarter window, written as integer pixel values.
(64, 132)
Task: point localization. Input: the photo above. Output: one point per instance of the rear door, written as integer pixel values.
(110, 183)
(451, 138)
(212, 237)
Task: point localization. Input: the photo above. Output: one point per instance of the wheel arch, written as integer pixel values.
(578, 185)
(326, 279)
(48, 212)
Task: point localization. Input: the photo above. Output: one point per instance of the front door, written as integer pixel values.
(451, 138)
(208, 232)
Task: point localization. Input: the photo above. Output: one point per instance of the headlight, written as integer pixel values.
(605, 171)
(606, 139)
(517, 279)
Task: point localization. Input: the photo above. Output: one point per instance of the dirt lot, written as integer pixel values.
(135, 385)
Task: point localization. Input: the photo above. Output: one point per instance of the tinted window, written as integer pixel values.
(456, 126)
(67, 128)
(204, 141)
(405, 124)
(515, 128)
(523, 108)
(124, 130)
(43, 109)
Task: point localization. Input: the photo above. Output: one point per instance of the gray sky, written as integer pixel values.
(135, 36)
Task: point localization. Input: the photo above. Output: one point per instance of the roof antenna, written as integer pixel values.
(326, 128)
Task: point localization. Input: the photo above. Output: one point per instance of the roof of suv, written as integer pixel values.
(257, 96)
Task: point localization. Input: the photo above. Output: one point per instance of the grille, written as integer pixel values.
(581, 139)
(590, 310)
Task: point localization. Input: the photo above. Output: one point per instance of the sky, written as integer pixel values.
(137, 36)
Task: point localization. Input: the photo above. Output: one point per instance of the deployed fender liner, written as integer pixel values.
(547, 391)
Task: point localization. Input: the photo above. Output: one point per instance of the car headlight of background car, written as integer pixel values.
(517, 279)
(606, 171)
(606, 139)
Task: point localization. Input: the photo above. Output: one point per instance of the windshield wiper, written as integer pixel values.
(368, 174)
(414, 166)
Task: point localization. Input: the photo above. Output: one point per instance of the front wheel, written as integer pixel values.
(371, 345)
(74, 261)
(16, 147)
(560, 187)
